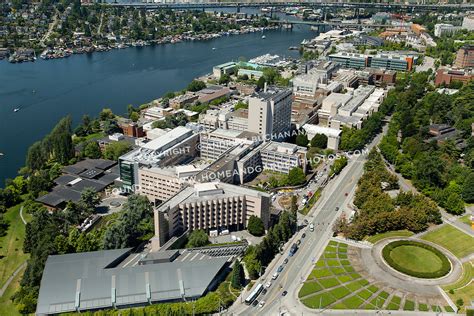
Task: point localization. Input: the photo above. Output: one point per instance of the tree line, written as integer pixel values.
(377, 212)
(442, 170)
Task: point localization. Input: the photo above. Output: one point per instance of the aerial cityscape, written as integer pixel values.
(202, 157)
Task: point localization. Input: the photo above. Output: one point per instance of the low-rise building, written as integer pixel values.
(446, 76)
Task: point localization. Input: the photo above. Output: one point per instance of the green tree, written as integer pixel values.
(238, 276)
(468, 188)
(302, 140)
(455, 204)
(92, 150)
(116, 149)
(319, 141)
(4, 224)
(296, 176)
(255, 226)
(35, 158)
(196, 85)
(197, 238)
(90, 198)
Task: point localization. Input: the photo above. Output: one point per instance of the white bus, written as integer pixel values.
(252, 296)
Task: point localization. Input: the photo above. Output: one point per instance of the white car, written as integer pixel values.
(275, 276)
(268, 284)
(261, 304)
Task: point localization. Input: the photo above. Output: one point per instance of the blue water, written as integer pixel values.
(48, 90)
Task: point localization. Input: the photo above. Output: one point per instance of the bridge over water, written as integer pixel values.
(288, 3)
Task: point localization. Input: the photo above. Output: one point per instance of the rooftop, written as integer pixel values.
(93, 280)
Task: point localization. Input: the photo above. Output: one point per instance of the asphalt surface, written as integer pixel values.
(338, 193)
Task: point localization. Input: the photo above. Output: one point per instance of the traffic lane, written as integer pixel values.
(326, 215)
(323, 221)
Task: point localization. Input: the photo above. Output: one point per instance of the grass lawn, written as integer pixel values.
(332, 263)
(397, 233)
(6, 305)
(409, 306)
(463, 288)
(365, 294)
(327, 283)
(319, 273)
(11, 245)
(308, 288)
(353, 302)
(319, 300)
(466, 277)
(451, 238)
(340, 292)
(394, 303)
(354, 286)
(320, 264)
(449, 309)
(345, 262)
(337, 270)
(423, 307)
(373, 288)
(416, 258)
(344, 278)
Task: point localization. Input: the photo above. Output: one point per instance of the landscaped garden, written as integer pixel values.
(334, 284)
(416, 259)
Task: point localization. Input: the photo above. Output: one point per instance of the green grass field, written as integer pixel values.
(454, 240)
(11, 245)
(397, 233)
(416, 258)
(11, 257)
(463, 288)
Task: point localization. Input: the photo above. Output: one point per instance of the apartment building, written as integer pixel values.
(270, 113)
(215, 143)
(224, 118)
(282, 157)
(209, 206)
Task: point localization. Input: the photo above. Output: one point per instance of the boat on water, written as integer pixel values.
(264, 37)
(16, 109)
(213, 48)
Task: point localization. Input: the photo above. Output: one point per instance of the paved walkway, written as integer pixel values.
(10, 279)
(21, 215)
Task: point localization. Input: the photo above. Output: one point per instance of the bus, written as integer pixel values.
(252, 296)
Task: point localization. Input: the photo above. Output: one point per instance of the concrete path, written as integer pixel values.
(21, 215)
(10, 279)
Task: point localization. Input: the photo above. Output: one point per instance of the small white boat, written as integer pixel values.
(16, 109)
(213, 48)
(1, 154)
(264, 37)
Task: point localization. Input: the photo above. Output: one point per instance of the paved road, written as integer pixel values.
(322, 215)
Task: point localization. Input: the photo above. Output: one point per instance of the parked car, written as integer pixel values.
(280, 268)
(304, 235)
(255, 303)
(285, 261)
(264, 291)
(275, 276)
(337, 208)
(268, 284)
(298, 242)
(261, 304)
(284, 293)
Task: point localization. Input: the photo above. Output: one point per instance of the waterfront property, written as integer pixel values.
(382, 60)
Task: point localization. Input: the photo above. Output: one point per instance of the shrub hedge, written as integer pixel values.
(445, 264)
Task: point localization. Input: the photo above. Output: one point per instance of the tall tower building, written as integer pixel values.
(270, 113)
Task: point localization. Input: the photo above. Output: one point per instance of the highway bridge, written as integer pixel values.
(322, 24)
(288, 3)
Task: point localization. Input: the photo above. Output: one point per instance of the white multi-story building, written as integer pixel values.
(468, 22)
(270, 113)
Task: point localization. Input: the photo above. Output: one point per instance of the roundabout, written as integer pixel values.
(416, 259)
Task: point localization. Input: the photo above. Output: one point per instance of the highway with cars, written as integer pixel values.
(281, 297)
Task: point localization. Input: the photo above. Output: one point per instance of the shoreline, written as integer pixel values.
(58, 53)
